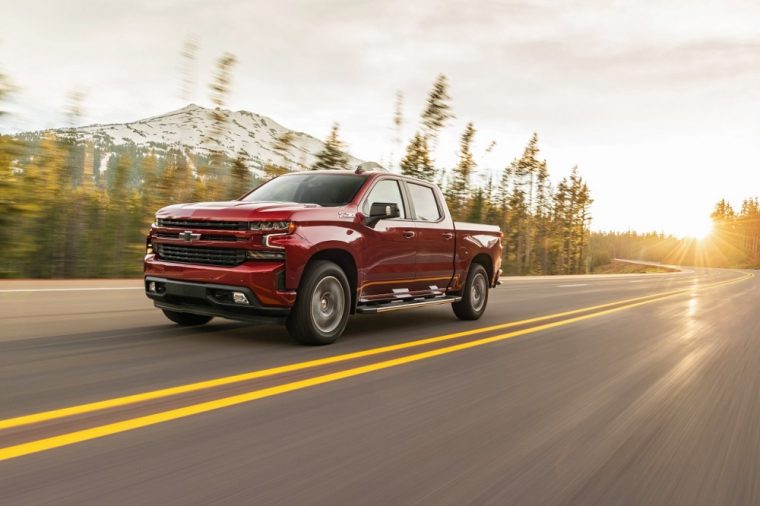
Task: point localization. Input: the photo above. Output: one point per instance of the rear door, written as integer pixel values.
(389, 248)
(435, 239)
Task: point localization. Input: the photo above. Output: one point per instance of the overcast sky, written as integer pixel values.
(657, 102)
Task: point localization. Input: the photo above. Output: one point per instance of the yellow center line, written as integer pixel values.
(239, 378)
(203, 407)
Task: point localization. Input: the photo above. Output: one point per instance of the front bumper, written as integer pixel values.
(210, 299)
(265, 279)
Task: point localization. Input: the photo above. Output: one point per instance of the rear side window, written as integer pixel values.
(424, 201)
(386, 191)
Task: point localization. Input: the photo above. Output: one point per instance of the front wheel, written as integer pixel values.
(188, 319)
(474, 296)
(322, 306)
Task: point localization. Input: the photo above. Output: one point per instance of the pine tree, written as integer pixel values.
(272, 170)
(212, 171)
(398, 126)
(542, 219)
(332, 155)
(458, 191)
(149, 182)
(5, 90)
(177, 182)
(563, 211)
(521, 206)
(504, 189)
(240, 178)
(750, 227)
(437, 110)
(494, 213)
(723, 213)
(416, 162)
(477, 207)
(220, 86)
(283, 144)
(188, 66)
(571, 212)
(74, 108)
(13, 208)
(581, 219)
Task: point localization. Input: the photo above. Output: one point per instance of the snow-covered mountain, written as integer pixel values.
(244, 134)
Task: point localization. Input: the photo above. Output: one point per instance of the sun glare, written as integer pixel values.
(699, 228)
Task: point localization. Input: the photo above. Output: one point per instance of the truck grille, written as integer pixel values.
(195, 255)
(214, 225)
(204, 237)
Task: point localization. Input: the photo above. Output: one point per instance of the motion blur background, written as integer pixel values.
(587, 130)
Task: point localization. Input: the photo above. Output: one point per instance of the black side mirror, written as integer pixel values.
(381, 211)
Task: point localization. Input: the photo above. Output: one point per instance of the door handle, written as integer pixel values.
(408, 234)
(447, 236)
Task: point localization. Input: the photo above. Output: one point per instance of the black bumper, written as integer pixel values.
(212, 300)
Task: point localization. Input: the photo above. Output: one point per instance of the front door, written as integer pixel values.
(389, 250)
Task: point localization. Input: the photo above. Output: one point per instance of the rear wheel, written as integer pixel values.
(474, 296)
(322, 306)
(188, 319)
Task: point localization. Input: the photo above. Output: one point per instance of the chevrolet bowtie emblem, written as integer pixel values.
(188, 236)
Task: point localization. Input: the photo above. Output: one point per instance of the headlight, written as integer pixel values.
(273, 226)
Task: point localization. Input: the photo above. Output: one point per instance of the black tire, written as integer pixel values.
(474, 296)
(187, 319)
(322, 306)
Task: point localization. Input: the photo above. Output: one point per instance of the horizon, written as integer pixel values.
(660, 118)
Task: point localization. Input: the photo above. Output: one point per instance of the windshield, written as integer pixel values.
(323, 189)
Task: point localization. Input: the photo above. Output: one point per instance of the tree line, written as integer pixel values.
(736, 235)
(733, 242)
(70, 208)
(546, 228)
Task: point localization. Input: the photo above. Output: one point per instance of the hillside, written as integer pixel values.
(246, 135)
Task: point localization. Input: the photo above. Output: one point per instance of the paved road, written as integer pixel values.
(582, 390)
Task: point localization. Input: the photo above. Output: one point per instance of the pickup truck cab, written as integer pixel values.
(310, 248)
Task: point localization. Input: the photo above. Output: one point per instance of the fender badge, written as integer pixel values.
(345, 214)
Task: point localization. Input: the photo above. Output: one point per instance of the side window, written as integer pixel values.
(425, 203)
(387, 191)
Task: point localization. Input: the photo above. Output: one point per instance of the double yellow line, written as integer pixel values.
(203, 407)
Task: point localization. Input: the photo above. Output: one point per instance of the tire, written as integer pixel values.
(187, 319)
(323, 304)
(474, 296)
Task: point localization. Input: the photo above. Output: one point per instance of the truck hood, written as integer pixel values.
(233, 210)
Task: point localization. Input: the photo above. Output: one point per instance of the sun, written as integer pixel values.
(697, 228)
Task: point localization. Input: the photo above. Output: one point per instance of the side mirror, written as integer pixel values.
(381, 211)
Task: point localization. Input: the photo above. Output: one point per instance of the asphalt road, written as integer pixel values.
(570, 390)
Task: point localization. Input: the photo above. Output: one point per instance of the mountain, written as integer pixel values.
(246, 135)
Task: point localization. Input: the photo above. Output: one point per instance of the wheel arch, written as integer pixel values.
(345, 260)
(486, 261)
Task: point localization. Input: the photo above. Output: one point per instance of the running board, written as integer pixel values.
(397, 306)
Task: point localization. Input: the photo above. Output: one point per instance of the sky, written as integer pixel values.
(656, 102)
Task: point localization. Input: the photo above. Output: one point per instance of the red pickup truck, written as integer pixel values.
(310, 248)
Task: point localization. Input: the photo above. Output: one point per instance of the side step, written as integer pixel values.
(399, 305)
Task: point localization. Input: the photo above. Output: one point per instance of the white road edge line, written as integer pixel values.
(576, 284)
(71, 289)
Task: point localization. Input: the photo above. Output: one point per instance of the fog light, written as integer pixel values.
(265, 255)
(152, 286)
(239, 298)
